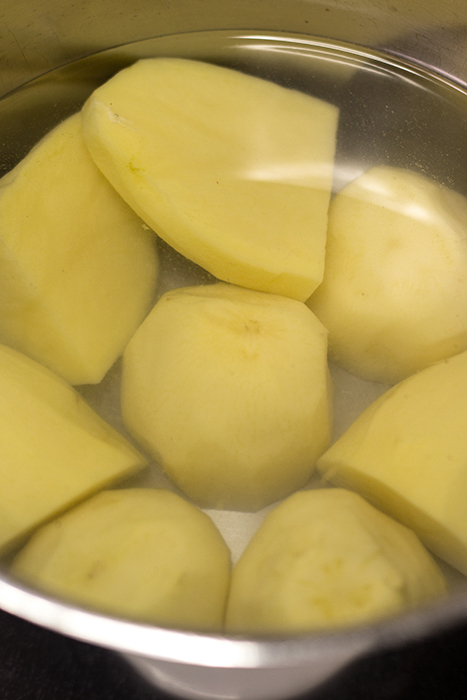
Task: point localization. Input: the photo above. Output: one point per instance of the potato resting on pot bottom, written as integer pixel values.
(325, 558)
(142, 553)
(229, 390)
(78, 268)
(394, 293)
(54, 449)
(322, 558)
(406, 453)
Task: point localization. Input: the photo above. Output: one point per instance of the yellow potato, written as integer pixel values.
(54, 450)
(142, 553)
(325, 558)
(229, 390)
(407, 454)
(394, 294)
(77, 269)
(233, 171)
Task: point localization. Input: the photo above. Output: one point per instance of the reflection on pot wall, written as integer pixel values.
(38, 35)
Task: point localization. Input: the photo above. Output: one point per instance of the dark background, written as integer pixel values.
(36, 664)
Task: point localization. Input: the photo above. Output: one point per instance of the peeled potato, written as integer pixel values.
(54, 450)
(394, 294)
(233, 171)
(143, 553)
(77, 268)
(407, 454)
(325, 558)
(229, 390)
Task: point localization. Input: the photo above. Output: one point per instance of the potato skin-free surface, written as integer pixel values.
(54, 449)
(77, 268)
(326, 558)
(142, 553)
(394, 293)
(229, 390)
(406, 453)
(233, 171)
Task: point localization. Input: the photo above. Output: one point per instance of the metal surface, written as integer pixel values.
(39, 35)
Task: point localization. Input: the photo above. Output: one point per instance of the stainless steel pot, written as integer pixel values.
(37, 36)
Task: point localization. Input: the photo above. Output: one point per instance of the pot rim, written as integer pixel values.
(222, 651)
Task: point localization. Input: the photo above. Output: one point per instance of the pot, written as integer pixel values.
(423, 39)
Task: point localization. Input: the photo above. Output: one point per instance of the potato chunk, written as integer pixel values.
(394, 294)
(407, 454)
(77, 269)
(54, 450)
(233, 171)
(326, 558)
(143, 553)
(228, 389)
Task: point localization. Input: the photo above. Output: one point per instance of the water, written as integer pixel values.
(390, 113)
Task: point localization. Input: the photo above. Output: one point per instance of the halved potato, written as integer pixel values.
(407, 452)
(54, 450)
(78, 268)
(233, 171)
